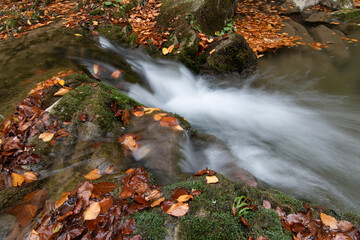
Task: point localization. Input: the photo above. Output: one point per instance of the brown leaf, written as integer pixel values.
(103, 187)
(109, 170)
(128, 226)
(83, 117)
(201, 172)
(195, 192)
(234, 210)
(246, 224)
(30, 177)
(329, 221)
(62, 91)
(46, 136)
(345, 226)
(155, 193)
(106, 204)
(93, 175)
(178, 209)
(266, 204)
(178, 192)
(92, 211)
(157, 202)
(17, 179)
(212, 179)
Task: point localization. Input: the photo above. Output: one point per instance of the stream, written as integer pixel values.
(294, 123)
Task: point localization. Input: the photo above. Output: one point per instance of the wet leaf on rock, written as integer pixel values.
(46, 136)
(93, 174)
(329, 221)
(17, 179)
(128, 226)
(178, 209)
(157, 202)
(212, 179)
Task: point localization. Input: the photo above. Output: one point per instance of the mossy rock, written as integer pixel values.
(232, 54)
(344, 16)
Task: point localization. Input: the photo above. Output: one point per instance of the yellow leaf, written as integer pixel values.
(116, 74)
(30, 177)
(185, 198)
(212, 179)
(150, 110)
(61, 82)
(96, 69)
(62, 92)
(93, 175)
(77, 35)
(92, 211)
(158, 116)
(46, 136)
(157, 202)
(95, 23)
(165, 51)
(177, 127)
(17, 179)
(329, 221)
(212, 51)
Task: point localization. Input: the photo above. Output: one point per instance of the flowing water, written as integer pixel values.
(287, 133)
(294, 123)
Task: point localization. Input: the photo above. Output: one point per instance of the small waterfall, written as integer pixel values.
(300, 141)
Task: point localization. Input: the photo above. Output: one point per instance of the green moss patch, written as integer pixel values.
(150, 225)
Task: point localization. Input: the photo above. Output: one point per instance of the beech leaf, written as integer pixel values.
(116, 74)
(185, 198)
(178, 209)
(266, 204)
(158, 116)
(62, 92)
(212, 179)
(345, 226)
(30, 177)
(329, 221)
(92, 211)
(46, 136)
(157, 202)
(93, 175)
(17, 179)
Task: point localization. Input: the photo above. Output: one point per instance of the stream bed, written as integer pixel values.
(294, 123)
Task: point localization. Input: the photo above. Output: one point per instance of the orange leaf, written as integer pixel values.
(157, 202)
(212, 51)
(116, 74)
(185, 198)
(177, 128)
(64, 197)
(62, 92)
(17, 179)
(138, 113)
(96, 69)
(153, 195)
(30, 177)
(171, 48)
(178, 209)
(93, 175)
(329, 221)
(158, 116)
(169, 121)
(130, 142)
(212, 179)
(345, 226)
(46, 136)
(92, 211)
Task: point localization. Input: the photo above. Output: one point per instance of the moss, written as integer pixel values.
(97, 12)
(114, 32)
(188, 56)
(150, 225)
(347, 15)
(266, 222)
(95, 102)
(216, 226)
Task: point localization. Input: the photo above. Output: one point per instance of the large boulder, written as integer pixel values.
(333, 4)
(231, 54)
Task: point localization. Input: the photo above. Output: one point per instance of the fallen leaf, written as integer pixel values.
(165, 51)
(30, 177)
(185, 198)
(77, 35)
(266, 204)
(106, 204)
(96, 69)
(150, 110)
(157, 202)
(345, 226)
(158, 116)
(17, 179)
(212, 51)
(116, 74)
(83, 117)
(109, 170)
(62, 92)
(169, 121)
(171, 48)
(212, 179)
(153, 195)
(138, 113)
(92, 211)
(46, 136)
(64, 197)
(93, 175)
(243, 221)
(130, 142)
(329, 221)
(128, 226)
(103, 187)
(178, 209)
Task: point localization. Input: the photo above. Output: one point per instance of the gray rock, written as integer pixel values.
(333, 4)
(317, 17)
(232, 54)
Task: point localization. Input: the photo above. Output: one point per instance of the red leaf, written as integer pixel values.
(178, 192)
(103, 187)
